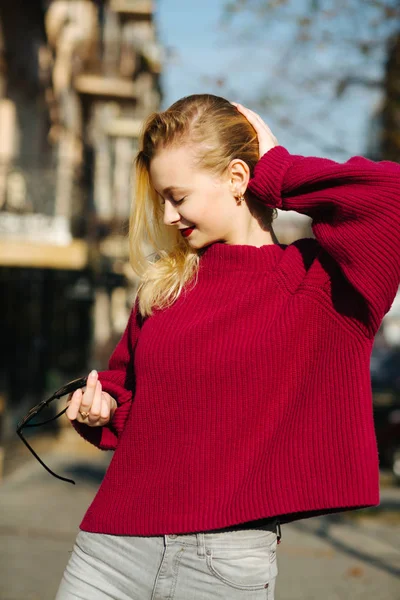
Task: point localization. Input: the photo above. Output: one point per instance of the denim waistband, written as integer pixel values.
(269, 524)
(220, 538)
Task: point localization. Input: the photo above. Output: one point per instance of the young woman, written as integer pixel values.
(239, 395)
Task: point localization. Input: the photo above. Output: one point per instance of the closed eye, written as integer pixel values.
(174, 201)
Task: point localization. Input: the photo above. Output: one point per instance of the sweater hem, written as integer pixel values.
(89, 526)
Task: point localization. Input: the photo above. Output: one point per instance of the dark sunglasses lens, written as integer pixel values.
(31, 413)
(46, 412)
(30, 416)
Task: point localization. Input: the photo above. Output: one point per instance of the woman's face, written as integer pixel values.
(195, 197)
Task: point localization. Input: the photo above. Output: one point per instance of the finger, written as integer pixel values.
(250, 112)
(113, 406)
(108, 407)
(253, 117)
(74, 405)
(105, 406)
(247, 111)
(95, 408)
(89, 393)
(261, 128)
(266, 139)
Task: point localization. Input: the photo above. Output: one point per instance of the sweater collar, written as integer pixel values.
(220, 255)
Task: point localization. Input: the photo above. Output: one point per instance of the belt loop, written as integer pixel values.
(201, 549)
(278, 531)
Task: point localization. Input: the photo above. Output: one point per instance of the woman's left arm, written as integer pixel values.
(355, 211)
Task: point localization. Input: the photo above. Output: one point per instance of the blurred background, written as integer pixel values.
(77, 78)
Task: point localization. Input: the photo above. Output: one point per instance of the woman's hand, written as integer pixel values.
(91, 406)
(266, 139)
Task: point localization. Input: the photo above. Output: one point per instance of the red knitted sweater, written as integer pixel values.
(250, 397)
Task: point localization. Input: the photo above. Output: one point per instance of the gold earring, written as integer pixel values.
(239, 199)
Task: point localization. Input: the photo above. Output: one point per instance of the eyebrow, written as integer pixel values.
(171, 188)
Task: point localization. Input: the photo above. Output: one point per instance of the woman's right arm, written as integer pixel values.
(108, 399)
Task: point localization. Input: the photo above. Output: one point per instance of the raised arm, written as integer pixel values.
(118, 381)
(355, 211)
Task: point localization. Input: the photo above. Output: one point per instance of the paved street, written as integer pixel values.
(339, 557)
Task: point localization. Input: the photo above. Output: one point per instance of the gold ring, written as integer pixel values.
(84, 414)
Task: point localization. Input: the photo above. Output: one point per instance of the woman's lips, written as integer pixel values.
(187, 232)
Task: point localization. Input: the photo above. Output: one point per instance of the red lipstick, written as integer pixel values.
(187, 232)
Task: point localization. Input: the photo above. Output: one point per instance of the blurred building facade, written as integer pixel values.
(77, 78)
(384, 144)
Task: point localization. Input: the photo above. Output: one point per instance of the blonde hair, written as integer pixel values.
(220, 134)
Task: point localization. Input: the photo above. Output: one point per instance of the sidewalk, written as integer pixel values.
(348, 556)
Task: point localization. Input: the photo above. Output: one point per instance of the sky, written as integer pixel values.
(190, 28)
(203, 52)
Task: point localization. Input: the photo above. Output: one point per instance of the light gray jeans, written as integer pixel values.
(233, 565)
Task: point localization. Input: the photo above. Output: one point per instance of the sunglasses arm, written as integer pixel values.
(40, 460)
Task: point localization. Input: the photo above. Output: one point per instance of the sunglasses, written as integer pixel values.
(65, 390)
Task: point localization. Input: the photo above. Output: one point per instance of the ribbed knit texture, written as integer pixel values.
(250, 397)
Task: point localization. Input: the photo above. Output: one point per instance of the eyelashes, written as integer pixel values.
(162, 202)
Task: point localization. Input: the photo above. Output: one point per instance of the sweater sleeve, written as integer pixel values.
(119, 381)
(355, 211)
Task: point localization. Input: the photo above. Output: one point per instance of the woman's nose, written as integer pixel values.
(171, 215)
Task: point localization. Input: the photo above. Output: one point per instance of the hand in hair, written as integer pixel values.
(266, 139)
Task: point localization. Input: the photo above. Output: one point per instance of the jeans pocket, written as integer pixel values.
(246, 568)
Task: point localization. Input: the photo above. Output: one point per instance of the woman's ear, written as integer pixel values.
(239, 175)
